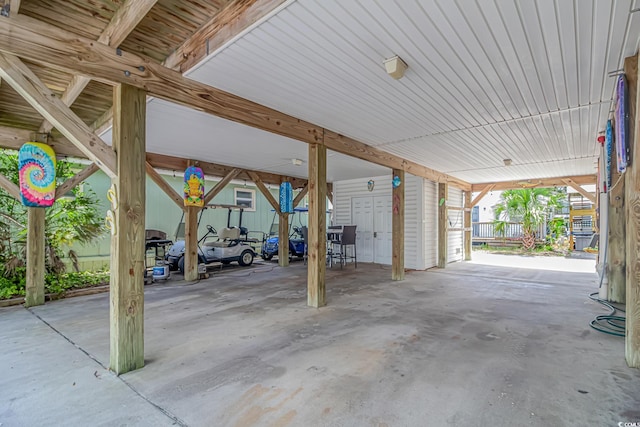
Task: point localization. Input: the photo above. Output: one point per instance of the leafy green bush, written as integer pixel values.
(15, 284)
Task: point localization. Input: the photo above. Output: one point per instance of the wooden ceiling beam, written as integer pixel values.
(10, 7)
(13, 138)
(301, 195)
(124, 21)
(352, 147)
(49, 45)
(231, 21)
(70, 183)
(264, 190)
(164, 186)
(220, 185)
(571, 183)
(161, 161)
(10, 187)
(479, 197)
(29, 86)
(235, 18)
(532, 183)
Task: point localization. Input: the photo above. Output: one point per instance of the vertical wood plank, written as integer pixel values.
(616, 250)
(35, 257)
(191, 243)
(632, 340)
(317, 237)
(128, 242)
(283, 239)
(443, 190)
(397, 227)
(467, 225)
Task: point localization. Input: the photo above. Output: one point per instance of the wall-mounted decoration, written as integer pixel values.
(396, 181)
(608, 149)
(193, 187)
(110, 222)
(622, 123)
(370, 185)
(37, 171)
(286, 197)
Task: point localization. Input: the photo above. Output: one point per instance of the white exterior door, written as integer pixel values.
(382, 235)
(362, 217)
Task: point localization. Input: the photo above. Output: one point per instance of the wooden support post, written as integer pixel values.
(467, 225)
(397, 227)
(317, 237)
(191, 243)
(283, 240)
(616, 251)
(35, 257)
(443, 224)
(128, 241)
(632, 186)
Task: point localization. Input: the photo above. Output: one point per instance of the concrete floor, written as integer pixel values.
(472, 344)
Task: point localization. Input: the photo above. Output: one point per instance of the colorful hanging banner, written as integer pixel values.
(193, 186)
(622, 123)
(37, 170)
(286, 197)
(608, 151)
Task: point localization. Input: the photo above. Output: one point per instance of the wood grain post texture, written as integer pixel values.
(616, 250)
(35, 257)
(283, 239)
(443, 224)
(191, 243)
(317, 238)
(467, 226)
(632, 186)
(397, 227)
(128, 242)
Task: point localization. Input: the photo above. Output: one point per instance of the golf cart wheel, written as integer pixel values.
(267, 257)
(181, 263)
(246, 258)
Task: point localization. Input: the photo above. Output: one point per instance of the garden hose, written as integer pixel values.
(608, 323)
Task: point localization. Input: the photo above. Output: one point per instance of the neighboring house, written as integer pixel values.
(164, 215)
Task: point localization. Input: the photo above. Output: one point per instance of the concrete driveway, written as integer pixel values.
(473, 344)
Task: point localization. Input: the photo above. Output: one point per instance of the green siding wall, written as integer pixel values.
(163, 214)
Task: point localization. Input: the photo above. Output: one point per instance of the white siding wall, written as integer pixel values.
(430, 224)
(413, 204)
(344, 191)
(455, 220)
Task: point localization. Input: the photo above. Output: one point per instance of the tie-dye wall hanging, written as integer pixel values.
(37, 168)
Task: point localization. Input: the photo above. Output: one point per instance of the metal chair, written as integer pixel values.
(345, 240)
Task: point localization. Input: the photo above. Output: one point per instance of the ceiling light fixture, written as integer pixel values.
(507, 162)
(395, 67)
(296, 162)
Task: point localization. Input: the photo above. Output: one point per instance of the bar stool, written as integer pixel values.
(340, 246)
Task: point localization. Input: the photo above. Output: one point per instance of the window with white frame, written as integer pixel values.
(246, 198)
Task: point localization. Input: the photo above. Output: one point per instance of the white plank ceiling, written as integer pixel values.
(528, 80)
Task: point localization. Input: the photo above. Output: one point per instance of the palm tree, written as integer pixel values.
(528, 206)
